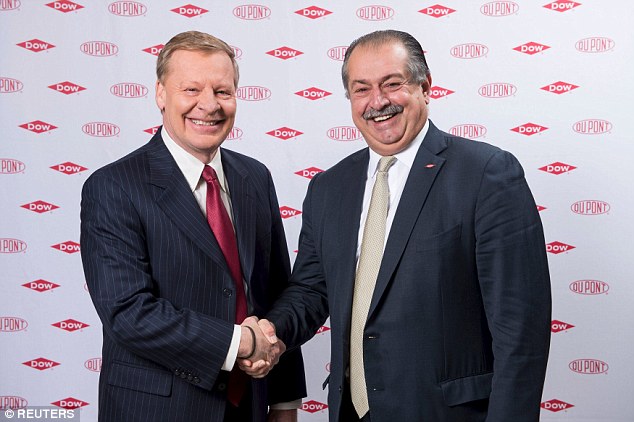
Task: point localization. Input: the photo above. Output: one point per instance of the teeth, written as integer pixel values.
(202, 122)
(382, 118)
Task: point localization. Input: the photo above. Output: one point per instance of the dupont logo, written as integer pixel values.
(559, 87)
(561, 5)
(11, 166)
(588, 366)
(101, 129)
(4, 6)
(10, 324)
(595, 45)
(309, 172)
(189, 10)
(499, 8)
(284, 53)
(529, 129)
(344, 133)
(313, 406)
(589, 287)
(152, 130)
(99, 48)
(93, 364)
(531, 48)
(288, 212)
(436, 11)
(69, 168)
(313, 12)
(129, 90)
(41, 285)
(41, 364)
(39, 206)
(70, 325)
(284, 133)
(251, 12)
(469, 130)
(154, 50)
(68, 247)
(557, 247)
(590, 207)
(253, 93)
(497, 90)
(236, 133)
(557, 168)
(12, 402)
(9, 85)
(313, 93)
(67, 87)
(38, 126)
(469, 51)
(36, 45)
(70, 403)
(541, 208)
(127, 8)
(65, 6)
(337, 53)
(592, 126)
(555, 405)
(375, 13)
(8, 245)
(323, 329)
(438, 92)
(559, 326)
(237, 51)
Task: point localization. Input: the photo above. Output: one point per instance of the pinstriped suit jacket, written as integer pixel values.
(164, 293)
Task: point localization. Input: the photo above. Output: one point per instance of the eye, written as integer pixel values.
(191, 89)
(223, 93)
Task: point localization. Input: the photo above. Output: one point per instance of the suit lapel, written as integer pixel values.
(175, 198)
(244, 210)
(424, 170)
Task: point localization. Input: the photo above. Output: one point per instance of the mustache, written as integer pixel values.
(391, 109)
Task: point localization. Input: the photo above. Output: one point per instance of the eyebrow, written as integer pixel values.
(385, 78)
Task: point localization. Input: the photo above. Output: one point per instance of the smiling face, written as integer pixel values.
(197, 100)
(387, 109)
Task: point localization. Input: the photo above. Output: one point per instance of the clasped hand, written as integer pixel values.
(259, 347)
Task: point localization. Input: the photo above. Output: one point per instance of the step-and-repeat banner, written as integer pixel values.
(547, 81)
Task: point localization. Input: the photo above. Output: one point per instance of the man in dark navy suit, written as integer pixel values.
(181, 240)
(427, 252)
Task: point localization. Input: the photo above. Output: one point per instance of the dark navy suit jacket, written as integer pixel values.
(163, 290)
(459, 324)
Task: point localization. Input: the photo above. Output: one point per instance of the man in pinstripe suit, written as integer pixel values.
(156, 273)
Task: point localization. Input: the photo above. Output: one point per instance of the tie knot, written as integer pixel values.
(386, 162)
(209, 174)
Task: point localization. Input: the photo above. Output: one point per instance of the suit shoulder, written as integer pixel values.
(133, 163)
(245, 161)
(343, 166)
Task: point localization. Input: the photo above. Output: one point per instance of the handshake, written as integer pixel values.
(259, 349)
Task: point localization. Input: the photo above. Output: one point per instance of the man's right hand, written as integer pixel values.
(266, 352)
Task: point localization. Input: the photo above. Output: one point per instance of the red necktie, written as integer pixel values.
(220, 224)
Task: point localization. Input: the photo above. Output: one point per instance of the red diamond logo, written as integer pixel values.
(39, 206)
(284, 53)
(322, 329)
(558, 326)
(313, 12)
(36, 45)
(559, 87)
(541, 208)
(154, 50)
(438, 92)
(65, 6)
(562, 5)
(41, 285)
(189, 10)
(436, 11)
(313, 406)
(313, 93)
(309, 172)
(38, 126)
(41, 364)
(69, 247)
(152, 130)
(557, 247)
(69, 168)
(529, 129)
(555, 405)
(70, 403)
(284, 133)
(70, 325)
(288, 212)
(531, 48)
(557, 168)
(67, 87)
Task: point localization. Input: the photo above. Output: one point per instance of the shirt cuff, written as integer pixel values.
(289, 405)
(232, 354)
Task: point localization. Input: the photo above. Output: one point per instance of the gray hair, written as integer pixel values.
(416, 64)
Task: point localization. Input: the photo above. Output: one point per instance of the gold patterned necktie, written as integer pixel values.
(367, 271)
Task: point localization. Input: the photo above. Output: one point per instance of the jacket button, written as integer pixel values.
(222, 386)
(177, 372)
(227, 292)
(190, 377)
(196, 380)
(183, 375)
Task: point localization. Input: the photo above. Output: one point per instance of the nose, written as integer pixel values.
(378, 99)
(207, 101)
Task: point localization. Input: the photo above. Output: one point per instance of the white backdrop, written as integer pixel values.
(545, 80)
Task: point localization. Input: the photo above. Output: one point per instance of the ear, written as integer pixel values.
(426, 85)
(160, 96)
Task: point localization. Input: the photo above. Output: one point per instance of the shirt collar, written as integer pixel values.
(192, 167)
(407, 156)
